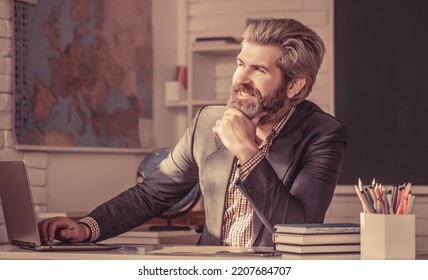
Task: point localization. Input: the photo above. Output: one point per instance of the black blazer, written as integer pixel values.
(293, 184)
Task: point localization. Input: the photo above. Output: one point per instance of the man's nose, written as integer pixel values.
(243, 77)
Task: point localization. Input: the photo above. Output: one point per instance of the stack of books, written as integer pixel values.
(318, 241)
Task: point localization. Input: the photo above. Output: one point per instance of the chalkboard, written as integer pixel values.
(381, 89)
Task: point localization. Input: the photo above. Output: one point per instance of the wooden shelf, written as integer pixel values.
(216, 50)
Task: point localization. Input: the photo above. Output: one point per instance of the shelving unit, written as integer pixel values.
(209, 74)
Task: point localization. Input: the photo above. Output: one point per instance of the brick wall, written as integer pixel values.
(37, 162)
(5, 91)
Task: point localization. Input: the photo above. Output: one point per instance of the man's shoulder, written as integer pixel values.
(314, 113)
(211, 113)
(205, 120)
(213, 109)
(318, 121)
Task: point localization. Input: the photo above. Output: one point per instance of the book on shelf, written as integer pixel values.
(321, 256)
(314, 239)
(309, 249)
(318, 228)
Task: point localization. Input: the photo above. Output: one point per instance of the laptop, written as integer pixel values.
(20, 215)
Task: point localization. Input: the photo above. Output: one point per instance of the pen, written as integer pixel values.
(407, 189)
(389, 197)
(373, 197)
(360, 185)
(378, 192)
(379, 207)
(398, 202)
(403, 209)
(394, 196)
(385, 201)
(368, 198)
(363, 201)
(412, 203)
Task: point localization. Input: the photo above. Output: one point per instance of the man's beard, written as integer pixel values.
(253, 107)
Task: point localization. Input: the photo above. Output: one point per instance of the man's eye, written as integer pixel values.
(261, 70)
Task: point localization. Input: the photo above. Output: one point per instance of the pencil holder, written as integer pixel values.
(388, 236)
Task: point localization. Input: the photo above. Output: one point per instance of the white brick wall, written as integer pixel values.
(6, 103)
(5, 9)
(5, 92)
(37, 162)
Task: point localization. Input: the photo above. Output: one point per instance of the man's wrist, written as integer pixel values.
(86, 232)
(94, 230)
(248, 154)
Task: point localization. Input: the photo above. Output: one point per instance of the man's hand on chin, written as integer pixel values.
(238, 133)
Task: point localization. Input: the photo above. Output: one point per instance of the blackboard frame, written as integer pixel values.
(381, 89)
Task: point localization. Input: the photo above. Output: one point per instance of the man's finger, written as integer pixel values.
(43, 228)
(65, 234)
(52, 226)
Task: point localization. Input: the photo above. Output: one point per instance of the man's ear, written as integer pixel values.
(295, 86)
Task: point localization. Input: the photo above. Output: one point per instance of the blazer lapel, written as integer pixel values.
(218, 166)
(281, 156)
(281, 153)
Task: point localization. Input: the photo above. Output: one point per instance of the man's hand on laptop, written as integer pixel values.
(63, 229)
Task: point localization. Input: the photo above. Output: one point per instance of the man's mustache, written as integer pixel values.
(247, 89)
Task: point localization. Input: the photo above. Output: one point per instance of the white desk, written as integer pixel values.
(170, 252)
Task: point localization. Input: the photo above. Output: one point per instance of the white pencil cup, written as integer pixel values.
(388, 236)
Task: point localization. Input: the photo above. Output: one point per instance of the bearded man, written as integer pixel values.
(268, 157)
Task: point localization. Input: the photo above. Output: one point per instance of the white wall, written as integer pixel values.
(81, 181)
(6, 100)
(165, 61)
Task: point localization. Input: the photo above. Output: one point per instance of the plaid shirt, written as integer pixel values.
(238, 216)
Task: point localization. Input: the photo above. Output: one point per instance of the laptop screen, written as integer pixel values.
(17, 202)
(20, 216)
